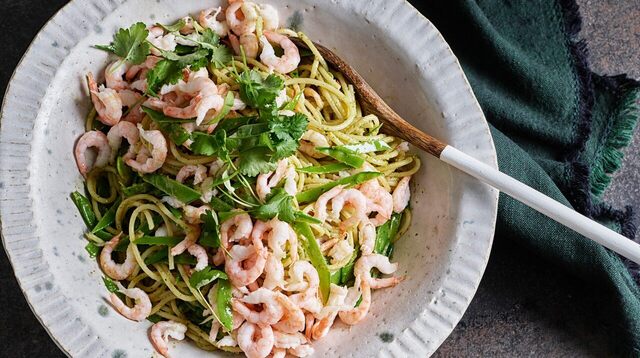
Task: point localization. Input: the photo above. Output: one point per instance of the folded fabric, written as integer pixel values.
(557, 127)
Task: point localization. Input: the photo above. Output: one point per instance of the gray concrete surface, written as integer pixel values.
(540, 314)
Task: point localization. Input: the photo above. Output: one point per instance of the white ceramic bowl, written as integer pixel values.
(397, 50)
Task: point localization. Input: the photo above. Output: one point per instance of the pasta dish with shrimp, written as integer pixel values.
(235, 193)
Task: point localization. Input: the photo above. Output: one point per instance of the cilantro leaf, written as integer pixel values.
(220, 56)
(164, 72)
(210, 236)
(210, 144)
(185, 60)
(167, 125)
(280, 204)
(255, 161)
(130, 44)
(291, 127)
(258, 92)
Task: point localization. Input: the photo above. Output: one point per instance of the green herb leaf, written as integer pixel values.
(324, 169)
(255, 161)
(154, 318)
(130, 44)
(210, 236)
(108, 217)
(343, 155)
(258, 92)
(185, 60)
(168, 126)
(164, 72)
(210, 144)
(281, 205)
(218, 205)
(220, 56)
(93, 250)
(310, 195)
(172, 187)
(205, 277)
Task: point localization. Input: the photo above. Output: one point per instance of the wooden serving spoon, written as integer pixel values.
(394, 125)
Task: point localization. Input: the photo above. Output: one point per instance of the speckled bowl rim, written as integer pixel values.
(66, 344)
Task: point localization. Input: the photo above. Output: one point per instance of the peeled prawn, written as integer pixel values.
(286, 63)
(160, 333)
(310, 140)
(366, 237)
(241, 17)
(106, 101)
(142, 307)
(246, 264)
(274, 273)
(270, 313)
(146, 162)
(270, 18)
(401, 195)
(378, 200)
(329, 312)
(266, 181)
(247, 43)
(92, 139)
(255, 341)
(121, 130)
(199, 173)
(354, 199)
(293, 319)
(113, 75)
(363, 266)
(111, 268)
(193, 233)
(200, 254)
(354, 315)
(208, 20)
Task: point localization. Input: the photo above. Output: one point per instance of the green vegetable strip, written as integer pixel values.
(343, 155)
(108, 217)
(158, 240)
(162, 256)
(310, 195)
(124, 172)
(385, 235)
(206, 276)
(136, 189)
(223, 304)
(84, 207)
(367, 147)
(318, 261)
(172, 187)
(93, 249)
(346, 272)
(324, 169)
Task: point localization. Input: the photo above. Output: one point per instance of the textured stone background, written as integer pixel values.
(540, 314)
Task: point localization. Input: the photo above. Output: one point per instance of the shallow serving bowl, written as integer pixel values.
(397, 50)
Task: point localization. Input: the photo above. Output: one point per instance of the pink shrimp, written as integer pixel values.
(327, 316)
(247, 44)
(366, 237)
(144, 163)
(357, 314)
(293, 319)
(307, 299)
(270, 18)
(193, 233)
(113, 75)
(111, 268)
(142, 307)
(271, 310)
(320, 207)
(401, 195)
(235, 229)
(303, 350)
(363, 266)
(208, 20)
(199, 173)
(193, 213)
(246, 264)
(241, 17)
(131, 100)
(121, 130)
(354, 199)
(310, 140)
(378, 200)
(255, 341)
(287, 62)
(160, 333)
(280, 234)
(201, 255)
(106, 101)
(206, 99)
(288, 340)
(160, 41)
(92, 139)
(274, 273)
(266, 181)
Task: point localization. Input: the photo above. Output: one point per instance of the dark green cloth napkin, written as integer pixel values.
(557, 127)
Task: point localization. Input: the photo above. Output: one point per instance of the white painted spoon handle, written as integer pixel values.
(542, 203)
